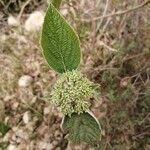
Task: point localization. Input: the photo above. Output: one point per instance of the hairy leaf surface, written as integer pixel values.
(59, 42)
(82, 128)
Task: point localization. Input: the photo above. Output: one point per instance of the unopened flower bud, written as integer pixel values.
(71, 92)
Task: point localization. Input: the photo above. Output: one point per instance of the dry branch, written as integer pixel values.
(118, 12)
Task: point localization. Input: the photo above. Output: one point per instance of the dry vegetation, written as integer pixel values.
(116, 55)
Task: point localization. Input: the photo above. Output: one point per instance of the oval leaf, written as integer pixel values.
(82, 128)
(59, 42)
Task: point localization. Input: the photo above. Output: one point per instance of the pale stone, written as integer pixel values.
(12, 21)
(34, 99)
(15, 105)
(23, 146)
(22, 134)
(12, 147)
(47, 110)
(34, 21)
(25, 81)
(64, 12)
(45, 145)
(26, 117)
(55, 143)
(3, 38)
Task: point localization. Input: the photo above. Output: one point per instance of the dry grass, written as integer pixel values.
(116, 55)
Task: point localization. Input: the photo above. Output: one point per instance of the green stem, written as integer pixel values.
(56, 3)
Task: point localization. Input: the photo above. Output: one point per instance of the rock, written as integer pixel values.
(3, 38)
(64, 11)
(34, 21)
(30, 126)
(47, 110)
(25, 81)
(20, 135)
(55, 143)
(45, 145)
(34, 99)
(12, 21)
(26, 117)
(124, 82)
(23, 146)
(12, 147)
(15, 105)
(8, 97)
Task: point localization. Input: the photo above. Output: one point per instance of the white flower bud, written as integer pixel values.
(71, 92)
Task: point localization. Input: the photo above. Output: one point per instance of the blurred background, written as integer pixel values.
(116, 55)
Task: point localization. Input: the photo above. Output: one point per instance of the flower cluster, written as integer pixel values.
(71, 91)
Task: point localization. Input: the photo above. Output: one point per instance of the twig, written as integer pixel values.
(30, 107)
(22, 9)
(119, 12)
(108, 47)
(104, 13)
(141, 134)
(2, 2)
(98, 2)
(106, 24)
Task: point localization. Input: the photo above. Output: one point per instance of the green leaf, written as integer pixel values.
(82, 128)
(56, 3)
(3, 128)
(59, 42)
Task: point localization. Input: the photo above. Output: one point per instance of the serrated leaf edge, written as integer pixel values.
(72, 30)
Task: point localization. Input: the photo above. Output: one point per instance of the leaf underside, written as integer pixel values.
(59, 42)
(82, 128)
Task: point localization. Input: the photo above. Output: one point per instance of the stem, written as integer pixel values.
(56, 3)
(22, 9)
(119, 12)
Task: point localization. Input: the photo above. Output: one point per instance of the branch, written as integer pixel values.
(119, 12)
(2, 2)
(22, 9)
(107, 47)
(104, 13)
